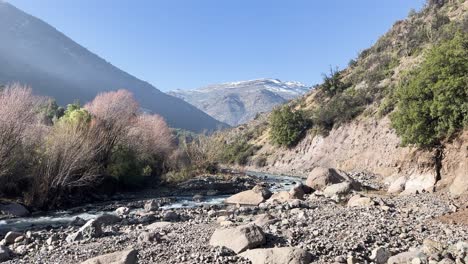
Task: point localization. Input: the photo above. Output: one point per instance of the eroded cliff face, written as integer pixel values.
(372, 146)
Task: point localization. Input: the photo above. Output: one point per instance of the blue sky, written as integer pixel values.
(190, 43)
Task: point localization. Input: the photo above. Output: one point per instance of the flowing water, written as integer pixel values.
(63, 218)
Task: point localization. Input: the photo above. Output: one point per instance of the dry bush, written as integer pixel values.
(68, 160)
(150, 136)
(18, 115)
(113, 114)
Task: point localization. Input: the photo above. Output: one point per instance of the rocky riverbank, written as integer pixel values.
(339, 222)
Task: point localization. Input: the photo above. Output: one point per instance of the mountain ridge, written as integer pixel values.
(37, 54)
(238, 102)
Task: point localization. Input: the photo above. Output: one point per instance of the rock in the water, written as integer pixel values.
(122, 211)
(360, 201)
(13, 209)
(397, 186)
(198, 198)
(320, 177)
(11, 236)
(284, 255)
(121, 257)
(108, 219)
(251, 197)
(5, 253)
(151, 206)
(380, 255)
(91, 229)
(239, 238)
(342, 188)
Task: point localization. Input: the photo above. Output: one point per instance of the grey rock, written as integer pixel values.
(250, 197)
(122, 210)
(14, 209)
(11, 236)
(151, 206)
(239, 238)
(283, 255)
(121, 257)
(91, 229)
(337, 189)
(380, 255)
(108, 219)
(5, 253)
(170, 216)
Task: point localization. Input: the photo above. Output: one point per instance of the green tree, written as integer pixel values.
(433, 101)
(287, 126)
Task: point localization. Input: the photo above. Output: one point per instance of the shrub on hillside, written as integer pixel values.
(340, 109)
(332, 83)
(237, 152)
(433, 101)
(287, 126)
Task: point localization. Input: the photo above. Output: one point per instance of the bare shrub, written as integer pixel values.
(68, 160)
(18, 112)
(150, 136)
(113, 112)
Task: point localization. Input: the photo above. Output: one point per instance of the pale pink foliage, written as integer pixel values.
(151, 136)
(113, 115)
(18, 113)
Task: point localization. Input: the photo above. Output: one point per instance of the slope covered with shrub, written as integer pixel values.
(416, 73)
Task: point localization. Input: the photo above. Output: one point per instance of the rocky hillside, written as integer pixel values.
(351, 116)
(236, 103)
(34, 53)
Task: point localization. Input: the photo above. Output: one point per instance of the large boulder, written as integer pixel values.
(255, 196)
(284, 255)
(108, 219)
(281, 197)
(397, 186)
(91, 229)
(380, 255)
(320, 178)
(360, 201)
(129, 256)
(11, 236)
(238, 239)
(404, 257)
(151, 206)
(122, 211)
(339, 189)
(13, 209)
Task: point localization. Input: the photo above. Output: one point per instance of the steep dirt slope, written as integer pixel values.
(367, 141)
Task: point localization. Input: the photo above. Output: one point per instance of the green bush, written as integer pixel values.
(287, 126)
(332, 83)
(237, 152)
(340, 109)
(126, 168)
(433, 101)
